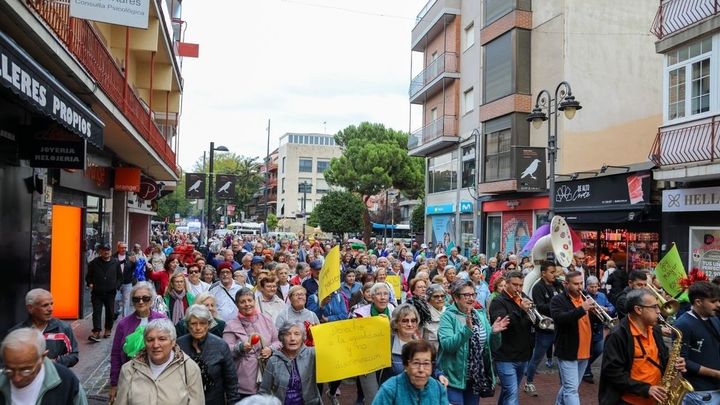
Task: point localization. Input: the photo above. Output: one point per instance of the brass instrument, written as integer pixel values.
(673, 382)
(667, 307)
(543, 322)
(609, 321)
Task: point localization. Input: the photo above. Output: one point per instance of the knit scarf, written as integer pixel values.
(374, 312)
(178, 311)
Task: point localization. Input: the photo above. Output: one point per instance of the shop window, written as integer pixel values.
(467, 235)
(468, 167)
(687, 72)
(305, 165)
(498, 151)
(442, 172)
(507, 65)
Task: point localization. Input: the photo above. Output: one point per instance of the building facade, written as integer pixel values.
(88, 116)
(478, 67)
(687, 145)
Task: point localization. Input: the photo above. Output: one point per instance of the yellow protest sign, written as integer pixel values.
(329, 279)
(669, 271)
(395, 283)
(350, 348)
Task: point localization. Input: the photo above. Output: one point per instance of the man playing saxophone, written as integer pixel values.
(700, 330)
(635, 356)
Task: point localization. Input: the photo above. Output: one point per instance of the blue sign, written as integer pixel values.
(440, 209)
(466, 207)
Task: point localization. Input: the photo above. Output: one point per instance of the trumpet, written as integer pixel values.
(606, 319)
(667, 307)
(543, 322)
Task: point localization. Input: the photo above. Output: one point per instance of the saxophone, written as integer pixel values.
(675, 385)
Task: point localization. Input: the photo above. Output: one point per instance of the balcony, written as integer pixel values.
(441, 71)
(86, 45)
(676, 15)
(432, 20)
(692, 144)
(435, 136)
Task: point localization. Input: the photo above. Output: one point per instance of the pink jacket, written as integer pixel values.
(237, 332)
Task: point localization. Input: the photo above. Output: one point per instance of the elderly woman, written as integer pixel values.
(381, 277)
(415, 381)
(177, 298)
(379, 305)
(217, 326)
(251, 337)
(290, 371)
(161, 373)
(404, 328)
(466, 341)
(267, 300)
(418, 288)
(212, 355)
(208, 275)
(436, 299)
(194, 284)
(296, 311)
(482, 290)
(157, 258)
(142, 296)
(162, 277)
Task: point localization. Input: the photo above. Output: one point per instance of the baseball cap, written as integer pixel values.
(316, 264)
(423, 246)
(257, 260)
(104, 246)
(440, 255)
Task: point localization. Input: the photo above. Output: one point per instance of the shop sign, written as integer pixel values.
(623, 190)
(466, 207)
(58, 154)
(691, 199)
(149, 189)
(127, 179)
(530, 168)
(225, 186)
(705, 250)
(194, 186)
(131, 13)
(33, 84)
(440, 209)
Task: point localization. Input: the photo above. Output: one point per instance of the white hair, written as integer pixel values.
(162, 325)
(198, 311)
(33, 295)
(20, 338)
(592, 280)
(144, 285)
(374, 289)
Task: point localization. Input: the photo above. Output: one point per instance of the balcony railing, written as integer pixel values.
(443, 126)
(83, 41)
(447, 62)
(675, 15)
(425, 10)
(697, 143)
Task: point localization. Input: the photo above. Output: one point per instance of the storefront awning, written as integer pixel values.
(26, 78)
(602, 217)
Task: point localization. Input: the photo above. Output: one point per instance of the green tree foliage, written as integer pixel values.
(313, 220)
(272, 221)
(339, 212)
(175, 202)
(250, 180)
(417, 218)
(374, 159)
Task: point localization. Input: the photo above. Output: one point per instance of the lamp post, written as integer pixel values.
(306, 188)
(211, 175)
(564, 101)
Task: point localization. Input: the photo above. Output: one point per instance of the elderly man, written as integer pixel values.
(29, 377)
(61, 345)
(224, 292)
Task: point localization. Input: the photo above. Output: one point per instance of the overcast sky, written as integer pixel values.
(307, 65)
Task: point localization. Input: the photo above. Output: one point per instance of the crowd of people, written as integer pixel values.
(232, 324)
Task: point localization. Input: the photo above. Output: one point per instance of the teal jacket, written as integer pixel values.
(60, 386)
(454, 338)
(399, 391)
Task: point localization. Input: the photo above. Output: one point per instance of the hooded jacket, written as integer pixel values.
(179, 383)
(277, 375)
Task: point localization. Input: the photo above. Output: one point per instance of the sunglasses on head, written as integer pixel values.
(144, 298)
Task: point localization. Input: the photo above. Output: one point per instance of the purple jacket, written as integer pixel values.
(125, 327)
(239, 330)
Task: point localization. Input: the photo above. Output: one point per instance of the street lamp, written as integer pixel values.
(564, 101)
(210, 182)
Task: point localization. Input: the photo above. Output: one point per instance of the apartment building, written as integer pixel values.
(687, 144)
(256, 207)
(302, 160)
(478, 67)
(88, 140)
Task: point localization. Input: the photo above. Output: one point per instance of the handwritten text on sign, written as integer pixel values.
(350, 348)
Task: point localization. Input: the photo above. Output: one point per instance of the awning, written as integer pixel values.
(22, 75)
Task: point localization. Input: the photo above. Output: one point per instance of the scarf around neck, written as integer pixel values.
(178, 311)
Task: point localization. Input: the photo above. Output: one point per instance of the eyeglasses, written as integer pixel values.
(194, 272)
(655, 307)
(144, 298)
(438, 296)
(467, 295)
(417, 364)
(23, 372)
(409, 320)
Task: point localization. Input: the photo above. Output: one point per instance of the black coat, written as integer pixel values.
(617, 362)
(518, 339)
(106, 276)
(566, 316)
(220, 368)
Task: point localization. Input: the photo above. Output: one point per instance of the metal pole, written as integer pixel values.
(210, 187)
(267, 175)
(392, 222)
(385, 219)
(304, 205)
(551, 156)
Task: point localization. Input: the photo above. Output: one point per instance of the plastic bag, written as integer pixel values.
(134, 342)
